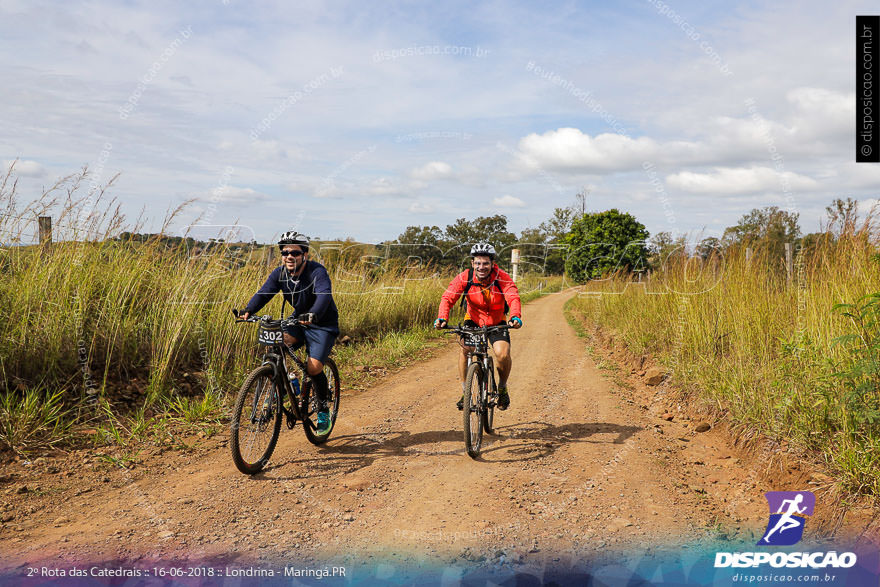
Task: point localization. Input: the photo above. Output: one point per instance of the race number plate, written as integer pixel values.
(269, 337)
(471, 339)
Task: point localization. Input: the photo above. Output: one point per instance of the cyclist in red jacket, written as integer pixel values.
(489, 291)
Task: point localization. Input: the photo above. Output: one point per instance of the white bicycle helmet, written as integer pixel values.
(483, 249)
(291, 237)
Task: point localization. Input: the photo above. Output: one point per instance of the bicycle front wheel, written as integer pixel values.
(256, 421)
(311, 405)
(489, 412)
(473, 410)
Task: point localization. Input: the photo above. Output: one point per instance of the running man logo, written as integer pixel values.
(788, 515)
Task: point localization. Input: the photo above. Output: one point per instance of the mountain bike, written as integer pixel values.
(268, 395)
(481, 393)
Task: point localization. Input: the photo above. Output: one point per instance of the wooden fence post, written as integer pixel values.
(268, 254)
(514, 261)
(45, 223)
(788, 261)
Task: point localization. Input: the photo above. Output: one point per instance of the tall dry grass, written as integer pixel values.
(100, 306)
(778, 358)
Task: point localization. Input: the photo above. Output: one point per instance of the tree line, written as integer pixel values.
(583, 245)
(590, 245)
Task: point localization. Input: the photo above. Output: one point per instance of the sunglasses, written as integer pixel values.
(294, 253)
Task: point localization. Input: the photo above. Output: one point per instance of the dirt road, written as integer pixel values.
(580, 464)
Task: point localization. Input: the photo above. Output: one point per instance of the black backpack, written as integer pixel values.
(470, 283)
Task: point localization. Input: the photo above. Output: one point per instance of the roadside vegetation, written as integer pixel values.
(118, 337)
(793, 355)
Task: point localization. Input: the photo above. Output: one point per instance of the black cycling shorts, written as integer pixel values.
(494, 336)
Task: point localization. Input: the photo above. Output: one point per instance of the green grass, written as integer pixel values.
(124, 461)
(207, 408)
(33, 420)
(776, 358)
(93, 311)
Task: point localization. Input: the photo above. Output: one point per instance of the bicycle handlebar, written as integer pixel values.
(461, 329)
(267, 318)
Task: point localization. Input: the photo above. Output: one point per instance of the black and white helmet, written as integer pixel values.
(291, 237)
(483, 249)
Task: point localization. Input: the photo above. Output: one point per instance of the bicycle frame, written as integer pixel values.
(264, 389)
(274, 356)
(482, 366)
(481, 355)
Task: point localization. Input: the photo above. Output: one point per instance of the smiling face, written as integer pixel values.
(482, 265)
(293, 258)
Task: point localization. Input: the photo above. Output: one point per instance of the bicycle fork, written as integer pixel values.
(489, 396)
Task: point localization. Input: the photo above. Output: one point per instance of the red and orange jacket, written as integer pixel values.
(485, 303)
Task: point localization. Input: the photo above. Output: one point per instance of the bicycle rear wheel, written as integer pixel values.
(256, 421)
(473, 408)
(310, 404)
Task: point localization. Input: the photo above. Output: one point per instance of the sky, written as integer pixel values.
(350, 119)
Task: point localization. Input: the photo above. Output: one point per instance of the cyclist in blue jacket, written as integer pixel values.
(305, 285)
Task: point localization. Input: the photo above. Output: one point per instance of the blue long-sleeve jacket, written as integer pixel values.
(310, 292)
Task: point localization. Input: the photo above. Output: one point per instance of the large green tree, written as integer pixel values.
(843, 221)
(709, 247)
(603, 242)
(543, 249)
(843, 217)
(767, 227)
(419, 245)
(558, 225)
(463, 233)
(664, 247)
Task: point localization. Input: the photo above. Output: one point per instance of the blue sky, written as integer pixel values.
(359, 119)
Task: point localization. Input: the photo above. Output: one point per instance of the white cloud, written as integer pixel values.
(25, 167)
(812, 121)
(238, 196)
(571, 149)
(421, 208)
(868, 205)
(336, 188)
(852, 175)
(508, 201)
(300, 185)
(725, 180)
(263, 151)
(195, 115)
(822, 113)
(268, 150)
(432, 170)
(382, 187)
(327, 189)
